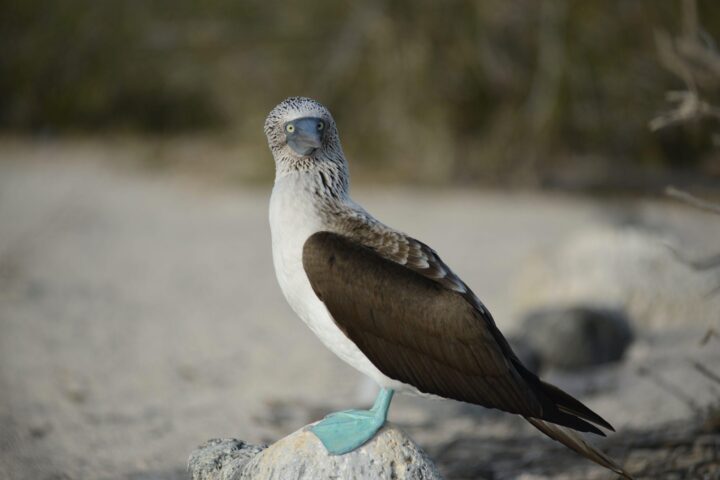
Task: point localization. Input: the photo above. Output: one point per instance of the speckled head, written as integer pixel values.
(300, 127)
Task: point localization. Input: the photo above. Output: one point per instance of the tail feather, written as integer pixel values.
(562, 408)
(574, 441)
(568, 404)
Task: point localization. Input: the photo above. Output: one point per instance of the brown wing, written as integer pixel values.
(412, 328)
(429, 332)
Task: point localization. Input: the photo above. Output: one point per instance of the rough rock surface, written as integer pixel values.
(221, 458)
(300, 455)
(577, 337)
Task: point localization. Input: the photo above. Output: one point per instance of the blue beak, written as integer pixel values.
(306, 135)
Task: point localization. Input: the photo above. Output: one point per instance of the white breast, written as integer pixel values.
(293, 218)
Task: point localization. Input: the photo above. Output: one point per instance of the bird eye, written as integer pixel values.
(290, 128)
(320, 125)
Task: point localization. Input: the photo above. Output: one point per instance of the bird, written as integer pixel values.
(387, 304)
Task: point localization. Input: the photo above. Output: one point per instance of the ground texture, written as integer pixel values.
(139, 317)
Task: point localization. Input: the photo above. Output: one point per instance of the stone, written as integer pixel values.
(576, 337)
(221, 459)
(390, 454)
(627, 268)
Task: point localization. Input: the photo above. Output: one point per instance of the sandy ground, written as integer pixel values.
(139, 315)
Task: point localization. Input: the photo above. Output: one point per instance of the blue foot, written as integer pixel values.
(343, 432)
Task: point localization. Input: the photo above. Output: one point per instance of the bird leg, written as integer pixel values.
(343, 432)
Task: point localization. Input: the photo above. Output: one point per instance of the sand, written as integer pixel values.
(139, 313)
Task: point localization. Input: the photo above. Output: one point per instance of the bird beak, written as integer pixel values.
(306, 138)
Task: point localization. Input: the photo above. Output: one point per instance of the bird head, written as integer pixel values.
(300, 127)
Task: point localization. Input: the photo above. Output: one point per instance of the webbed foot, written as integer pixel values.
(343, 432)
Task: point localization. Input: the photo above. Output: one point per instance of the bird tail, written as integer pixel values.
(574, 441)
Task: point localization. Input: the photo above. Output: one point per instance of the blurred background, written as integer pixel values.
(529, 93)
(530, 142)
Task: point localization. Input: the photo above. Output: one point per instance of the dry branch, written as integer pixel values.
(693, 200)
(693, 57)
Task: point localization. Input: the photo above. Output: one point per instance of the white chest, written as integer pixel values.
(293, 218)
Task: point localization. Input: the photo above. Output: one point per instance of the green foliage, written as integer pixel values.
(452, 91)
(87, 65)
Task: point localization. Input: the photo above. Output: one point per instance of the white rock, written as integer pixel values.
(391, 454)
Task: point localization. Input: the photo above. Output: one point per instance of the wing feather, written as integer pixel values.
(413, 328)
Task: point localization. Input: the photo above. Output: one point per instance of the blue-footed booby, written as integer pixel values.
(386, 303)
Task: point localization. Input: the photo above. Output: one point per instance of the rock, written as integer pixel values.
(300, 455)
(577, 337)
(627, 268)
(221, 459)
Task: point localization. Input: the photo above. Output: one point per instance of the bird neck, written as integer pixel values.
(326, 176)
